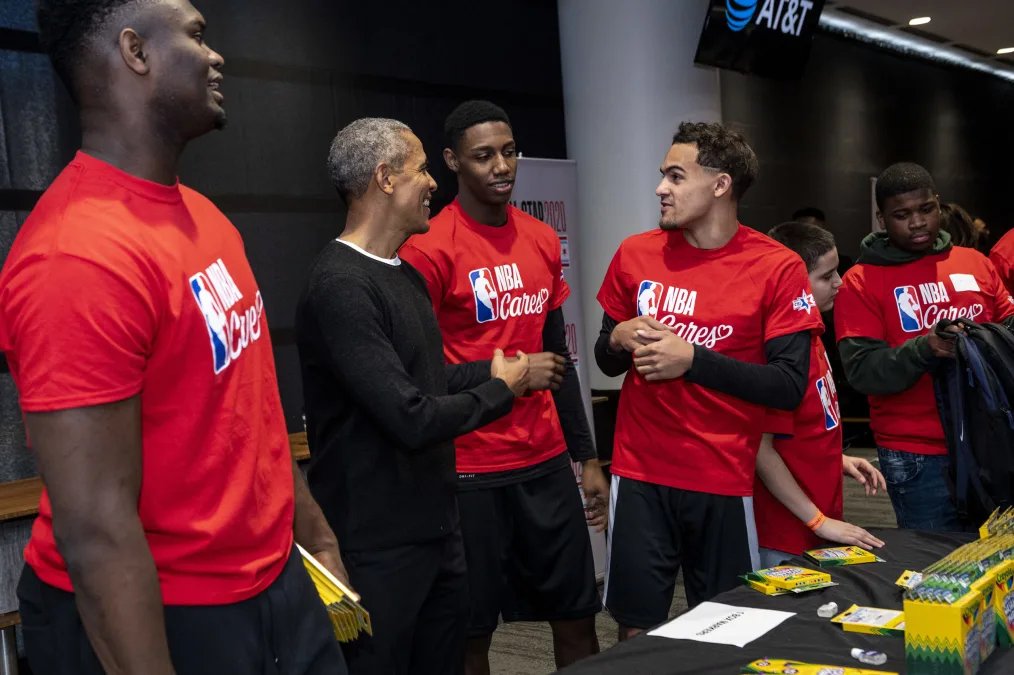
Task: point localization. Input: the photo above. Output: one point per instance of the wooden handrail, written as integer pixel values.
(20, 498)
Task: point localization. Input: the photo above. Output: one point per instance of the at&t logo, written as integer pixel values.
(738, 13)
(784, 16)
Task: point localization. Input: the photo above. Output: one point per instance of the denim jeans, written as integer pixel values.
(918, 490)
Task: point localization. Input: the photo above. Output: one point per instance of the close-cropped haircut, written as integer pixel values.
(469, 114)
(359, 148)
(809, 241)
(721, 148)
(67, 26)
(900, 178)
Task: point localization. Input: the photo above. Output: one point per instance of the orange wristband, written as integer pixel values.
(817, 521)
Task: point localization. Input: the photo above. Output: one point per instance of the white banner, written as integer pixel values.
(547, 190)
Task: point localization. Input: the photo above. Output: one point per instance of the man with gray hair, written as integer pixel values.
(383, 408)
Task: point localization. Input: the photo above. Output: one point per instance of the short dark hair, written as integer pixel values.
(810, 212)
(467, 115)
(719, 147)
(900, 178)
(809, 241)
(66, 26)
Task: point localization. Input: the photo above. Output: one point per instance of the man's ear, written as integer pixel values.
(451, 160)
(723, 185)
(880, 221)
(383, 176)
(132, 51)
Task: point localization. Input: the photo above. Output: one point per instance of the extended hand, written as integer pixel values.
(624, 337)
(864, 472)
(596, 494)
(515, 372)
(666, 355)
(545, 371)
(847, 533)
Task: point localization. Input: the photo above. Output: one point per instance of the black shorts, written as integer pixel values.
(529, 553)
(417, 596)
(655, 530)
(284, 630)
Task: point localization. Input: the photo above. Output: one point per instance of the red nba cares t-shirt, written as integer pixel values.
(492, 288)
(896, 303)
(809, 441)
(115, 287)
(731, 300)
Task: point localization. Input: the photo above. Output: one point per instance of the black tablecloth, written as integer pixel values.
(805, 636)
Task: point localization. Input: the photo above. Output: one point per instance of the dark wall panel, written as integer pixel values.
(859, 109)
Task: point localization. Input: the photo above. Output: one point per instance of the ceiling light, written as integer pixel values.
(1005, 50)
(919, 21)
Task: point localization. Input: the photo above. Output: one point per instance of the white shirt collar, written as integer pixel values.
(393, 262)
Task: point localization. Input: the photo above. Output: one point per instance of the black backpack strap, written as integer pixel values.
(979, 373)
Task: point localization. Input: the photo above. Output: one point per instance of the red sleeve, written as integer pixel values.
(80, 332)
(616, 296)
(1003, 268)
(420, 252)
(561, 289)
(1003, 303)
(780, 422)
(789, 306)
(856, 313)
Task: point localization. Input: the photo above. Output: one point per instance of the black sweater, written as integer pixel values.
(382, 407)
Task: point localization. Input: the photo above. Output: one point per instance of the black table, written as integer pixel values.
(805, 636)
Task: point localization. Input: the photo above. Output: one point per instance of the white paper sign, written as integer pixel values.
(722, 624)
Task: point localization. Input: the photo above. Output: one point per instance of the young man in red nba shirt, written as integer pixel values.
(907, 278)
(712, 323)
(496, 279)
(136, 335)
(798, 491)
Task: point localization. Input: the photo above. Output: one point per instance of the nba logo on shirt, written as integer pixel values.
(804, 302)
(649, 298)
(909, 309)
(214, 318)
(485, 294)
(830, 407)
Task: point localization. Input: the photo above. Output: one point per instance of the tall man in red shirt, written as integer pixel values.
(711, 322)
(496, 279)
(798, 493)
(136, 335)
(907, 278)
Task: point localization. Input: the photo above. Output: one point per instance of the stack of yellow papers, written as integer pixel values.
(347, 616)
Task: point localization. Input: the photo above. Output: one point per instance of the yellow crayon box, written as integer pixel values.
(784, 667)
(787, 578)
(1003, 603)
(944, 639)
(909, 579)
(871, 620)
(840, 555)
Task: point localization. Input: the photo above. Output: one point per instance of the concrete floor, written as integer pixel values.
(527, 648)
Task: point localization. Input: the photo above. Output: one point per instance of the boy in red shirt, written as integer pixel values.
(712, 323)
(907, 278)
(798, 490)
(496, 279)
(136, 335)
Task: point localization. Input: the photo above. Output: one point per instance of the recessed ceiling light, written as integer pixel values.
(919, 21)
(1005, 50)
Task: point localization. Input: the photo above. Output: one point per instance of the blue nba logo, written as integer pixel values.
(909, 309)
(649, 297)
(214, 318)
(484, 293)
(830, 406)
